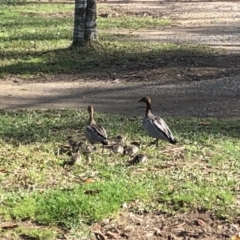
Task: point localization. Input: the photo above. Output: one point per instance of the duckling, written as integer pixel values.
(75, 158)
(86, 148)
(135, 143)
(155, 126)
(94, 132)
(130, 149)
(140, 158)
(116, 148)
(72, 143)
(120, 139)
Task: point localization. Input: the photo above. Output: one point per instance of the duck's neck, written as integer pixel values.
(148, 108)
(91, 120)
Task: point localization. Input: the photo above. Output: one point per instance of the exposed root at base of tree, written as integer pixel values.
(92, 43)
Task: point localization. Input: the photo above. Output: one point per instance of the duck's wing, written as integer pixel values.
(162, 127)
(100, 130)
(97, 132)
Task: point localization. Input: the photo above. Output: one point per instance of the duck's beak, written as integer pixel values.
(141, 100)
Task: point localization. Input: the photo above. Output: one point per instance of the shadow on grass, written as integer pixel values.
(130, 56)
(119, 52)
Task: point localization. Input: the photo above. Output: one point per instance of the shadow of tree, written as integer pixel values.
(119, 59)
(121, 52)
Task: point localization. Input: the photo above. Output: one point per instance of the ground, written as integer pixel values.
(194, 225)
(188, 85)
(184, 84)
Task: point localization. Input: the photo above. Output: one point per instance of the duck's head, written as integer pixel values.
(146, 99)
(120, 139)
(69, 137)
(90, 108)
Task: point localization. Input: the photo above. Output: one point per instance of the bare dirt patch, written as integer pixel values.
(194, 225)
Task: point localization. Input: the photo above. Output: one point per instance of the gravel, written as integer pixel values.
(214, 98)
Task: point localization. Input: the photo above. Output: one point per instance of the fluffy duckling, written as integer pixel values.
(86, 148)
(130, 149)
(75, 158)
(72, 143)
(120, 139)
(94, 132)
(140, 158)
(116, 148)
(155, 126)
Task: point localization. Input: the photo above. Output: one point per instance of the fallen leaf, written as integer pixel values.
(178, 225)
(7, 225)
(124, 235)
(111, 235)
(201, 222)
(235, 238)
(124, 205)
(92, 191)
(89, 180)
(99, 236)
(158, 232)
(149, 234)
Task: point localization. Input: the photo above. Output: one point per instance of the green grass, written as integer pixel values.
(201, 172)
(34, 41)
(132, 22)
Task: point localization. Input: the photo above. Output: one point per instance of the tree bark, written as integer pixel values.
(91, 25)
(84, 22)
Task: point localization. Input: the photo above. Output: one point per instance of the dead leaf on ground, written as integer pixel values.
(200, 222)
(89, 180)
(99, 236)
(235, 238)
(178, 226)
(158, 232)
(111, 235)
(7, 225)
(91, 192)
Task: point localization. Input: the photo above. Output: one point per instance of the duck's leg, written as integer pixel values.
(156, 142)
(89, 159)
(103, 148)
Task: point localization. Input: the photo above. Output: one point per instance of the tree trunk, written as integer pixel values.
(84, 22)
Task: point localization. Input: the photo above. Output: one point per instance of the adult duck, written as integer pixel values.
(156, 126)
(94, 132)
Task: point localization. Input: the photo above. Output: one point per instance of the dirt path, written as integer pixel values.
(215, 23)
(210, 98)
(212, 23)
